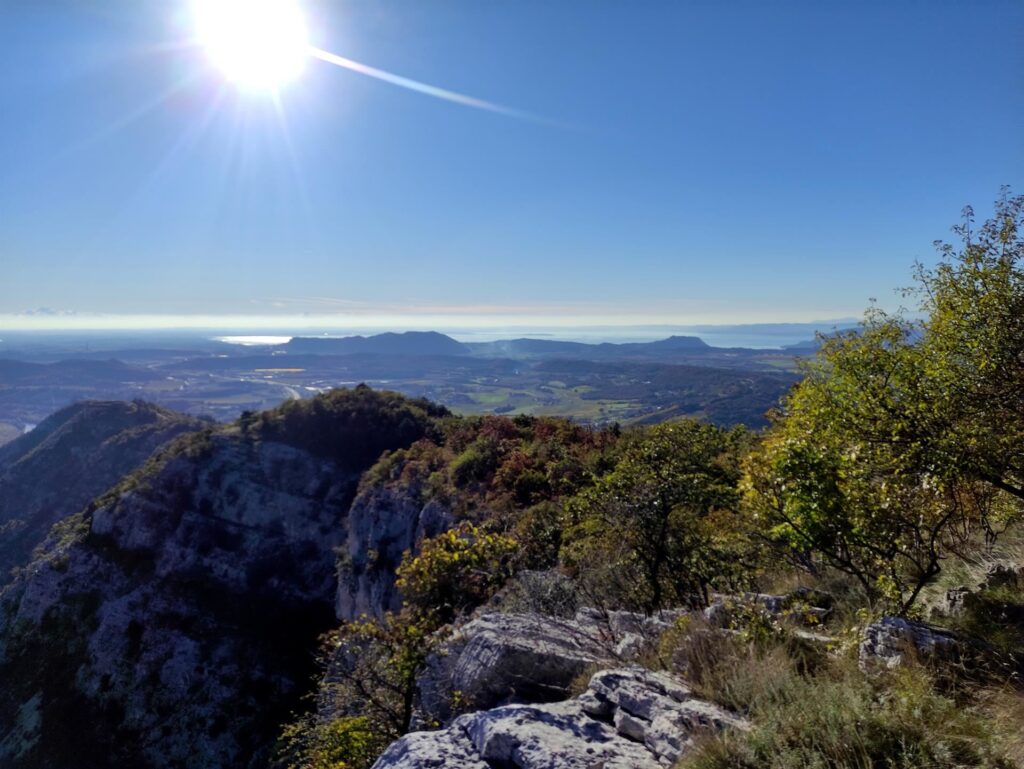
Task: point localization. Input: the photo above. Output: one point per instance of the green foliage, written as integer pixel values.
(973, 339)
(510, 464)
(455, 572)
(905, 436)
(510, 473)
(539, 531)
(350, 742)
(372, 666)
(476, 463)
(658, 529)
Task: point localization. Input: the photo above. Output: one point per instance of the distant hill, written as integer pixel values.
(688, 343)
(550, 348)
(222, 380)
(71, 457)
(434, 343)
(407, 343)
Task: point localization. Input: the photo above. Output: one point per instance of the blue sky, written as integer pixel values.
(704, 162)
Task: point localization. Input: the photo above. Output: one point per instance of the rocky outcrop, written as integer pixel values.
(893, 641)
(629, 718)
(498, 659)
(70, 458)
(656, 709)
(502, 658)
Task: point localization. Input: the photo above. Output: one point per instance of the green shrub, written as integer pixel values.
(658, 530)
(906, 434)
(350, 742)
(455, 572)
(476, 463)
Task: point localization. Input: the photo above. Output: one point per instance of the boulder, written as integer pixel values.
(890, 641)
(502, 658)
(447, 749)
(558, 735)
(655, 709)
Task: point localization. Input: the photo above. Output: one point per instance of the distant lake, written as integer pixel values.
(249, 341)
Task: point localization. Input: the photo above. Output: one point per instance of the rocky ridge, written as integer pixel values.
(178, 611)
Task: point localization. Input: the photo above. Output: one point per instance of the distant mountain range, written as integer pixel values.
(435, 343)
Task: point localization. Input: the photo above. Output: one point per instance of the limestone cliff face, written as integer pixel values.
(70, 458)
(172, 624)
(174, 621)
(385, 521)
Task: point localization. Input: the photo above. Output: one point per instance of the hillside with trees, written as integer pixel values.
(363, 579)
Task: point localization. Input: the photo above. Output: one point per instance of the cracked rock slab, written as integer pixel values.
(499, 659)
(629, 718)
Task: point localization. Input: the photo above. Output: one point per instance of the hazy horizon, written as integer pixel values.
(752, 335)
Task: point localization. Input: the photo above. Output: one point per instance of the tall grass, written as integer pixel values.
(817, 711)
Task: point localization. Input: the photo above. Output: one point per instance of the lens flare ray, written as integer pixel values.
(424, 88)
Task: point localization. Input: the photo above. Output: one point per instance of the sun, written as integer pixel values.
(259, 45)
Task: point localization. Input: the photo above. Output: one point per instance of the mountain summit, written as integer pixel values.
(406, 343)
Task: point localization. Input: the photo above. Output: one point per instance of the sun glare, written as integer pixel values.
(257, 44)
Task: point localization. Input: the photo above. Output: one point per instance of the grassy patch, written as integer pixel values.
(829, 715)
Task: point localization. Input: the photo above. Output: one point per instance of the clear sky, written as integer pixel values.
(697, 162)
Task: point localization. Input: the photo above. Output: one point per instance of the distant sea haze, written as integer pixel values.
(756, 335)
